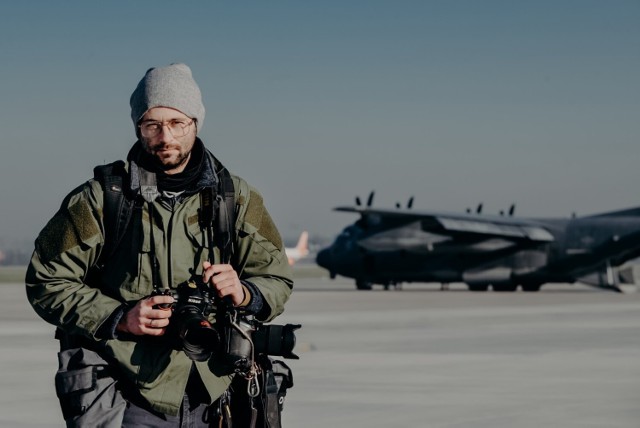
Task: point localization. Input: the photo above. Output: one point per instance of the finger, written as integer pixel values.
(160, 313)
(223, 288)
(212, 270)
(233, 290)
(151, 328)
(157, 323)
(225, 276)
(207, 273)
(222, 283)
(160, 299)
(219, 279)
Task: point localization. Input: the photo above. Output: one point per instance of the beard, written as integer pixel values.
(169, 157)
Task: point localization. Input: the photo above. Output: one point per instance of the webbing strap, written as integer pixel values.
(225, 230)
(117, 209)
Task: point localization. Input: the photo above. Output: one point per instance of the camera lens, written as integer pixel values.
(199, 338)
(277, 340)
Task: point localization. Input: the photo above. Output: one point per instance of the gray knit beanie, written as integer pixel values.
(171, 86)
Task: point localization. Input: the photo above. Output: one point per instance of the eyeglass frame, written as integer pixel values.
(164, 123)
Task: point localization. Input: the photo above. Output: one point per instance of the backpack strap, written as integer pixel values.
(117, 208)
(226, 219)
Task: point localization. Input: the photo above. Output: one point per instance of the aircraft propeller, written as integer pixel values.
(409, 204)
(370, 199)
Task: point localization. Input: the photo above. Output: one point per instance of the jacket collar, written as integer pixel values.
(143, 182)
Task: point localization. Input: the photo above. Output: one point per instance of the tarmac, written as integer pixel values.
(567, 356)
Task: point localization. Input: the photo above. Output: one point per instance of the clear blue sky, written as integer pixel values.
(455, 102)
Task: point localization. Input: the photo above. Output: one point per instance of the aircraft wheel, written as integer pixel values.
(531, 287)
(505, 287)
(363, 285)
(478, 287)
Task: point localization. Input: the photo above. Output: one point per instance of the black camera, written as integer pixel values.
(189, 322)
(244, 337)
(235, 337)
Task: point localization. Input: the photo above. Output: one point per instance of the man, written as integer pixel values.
(119, 362)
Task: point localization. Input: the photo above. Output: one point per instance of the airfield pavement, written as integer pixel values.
(566, 357)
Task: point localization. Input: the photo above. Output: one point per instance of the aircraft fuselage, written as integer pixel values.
(389, 252)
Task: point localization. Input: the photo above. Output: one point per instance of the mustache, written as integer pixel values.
(164, 146)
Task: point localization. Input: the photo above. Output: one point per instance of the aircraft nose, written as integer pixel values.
(324, 258)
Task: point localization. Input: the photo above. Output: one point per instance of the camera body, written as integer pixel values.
(235, 338)
(244, 337)
(189, 324)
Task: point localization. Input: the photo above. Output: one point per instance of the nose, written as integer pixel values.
(165, 133)
(323, 258)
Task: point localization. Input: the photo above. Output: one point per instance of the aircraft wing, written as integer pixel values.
(454, 224)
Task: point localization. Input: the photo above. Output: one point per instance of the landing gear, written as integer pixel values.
(505, 287)
(478, 287)
(531, 287)
(361, 284)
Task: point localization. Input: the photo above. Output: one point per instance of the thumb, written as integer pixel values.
(206, 264)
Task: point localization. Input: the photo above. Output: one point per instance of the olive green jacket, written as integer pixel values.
(58, 279)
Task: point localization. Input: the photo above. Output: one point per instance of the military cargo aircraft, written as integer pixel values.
(392, 246)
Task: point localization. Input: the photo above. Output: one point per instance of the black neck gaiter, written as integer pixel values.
(181, 181)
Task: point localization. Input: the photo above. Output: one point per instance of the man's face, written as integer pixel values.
(171, 153)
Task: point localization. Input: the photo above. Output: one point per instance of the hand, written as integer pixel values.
(225, 280)
(144, 319)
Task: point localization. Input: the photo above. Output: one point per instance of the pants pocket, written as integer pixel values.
(87, 392)
(76, 390)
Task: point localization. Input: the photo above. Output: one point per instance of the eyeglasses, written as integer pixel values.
(177, 127)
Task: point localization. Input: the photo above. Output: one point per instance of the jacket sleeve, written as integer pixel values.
(260, 254)
(65, 249)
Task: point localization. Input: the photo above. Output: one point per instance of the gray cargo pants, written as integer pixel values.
(90, 397)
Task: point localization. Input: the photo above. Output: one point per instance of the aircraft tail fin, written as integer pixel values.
(300, 250)
(303, 243)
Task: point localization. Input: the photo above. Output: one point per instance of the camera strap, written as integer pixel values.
(217, 208)
(149, 191)
(208, 207)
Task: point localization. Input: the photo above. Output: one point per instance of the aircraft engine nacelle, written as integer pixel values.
(493, 276)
